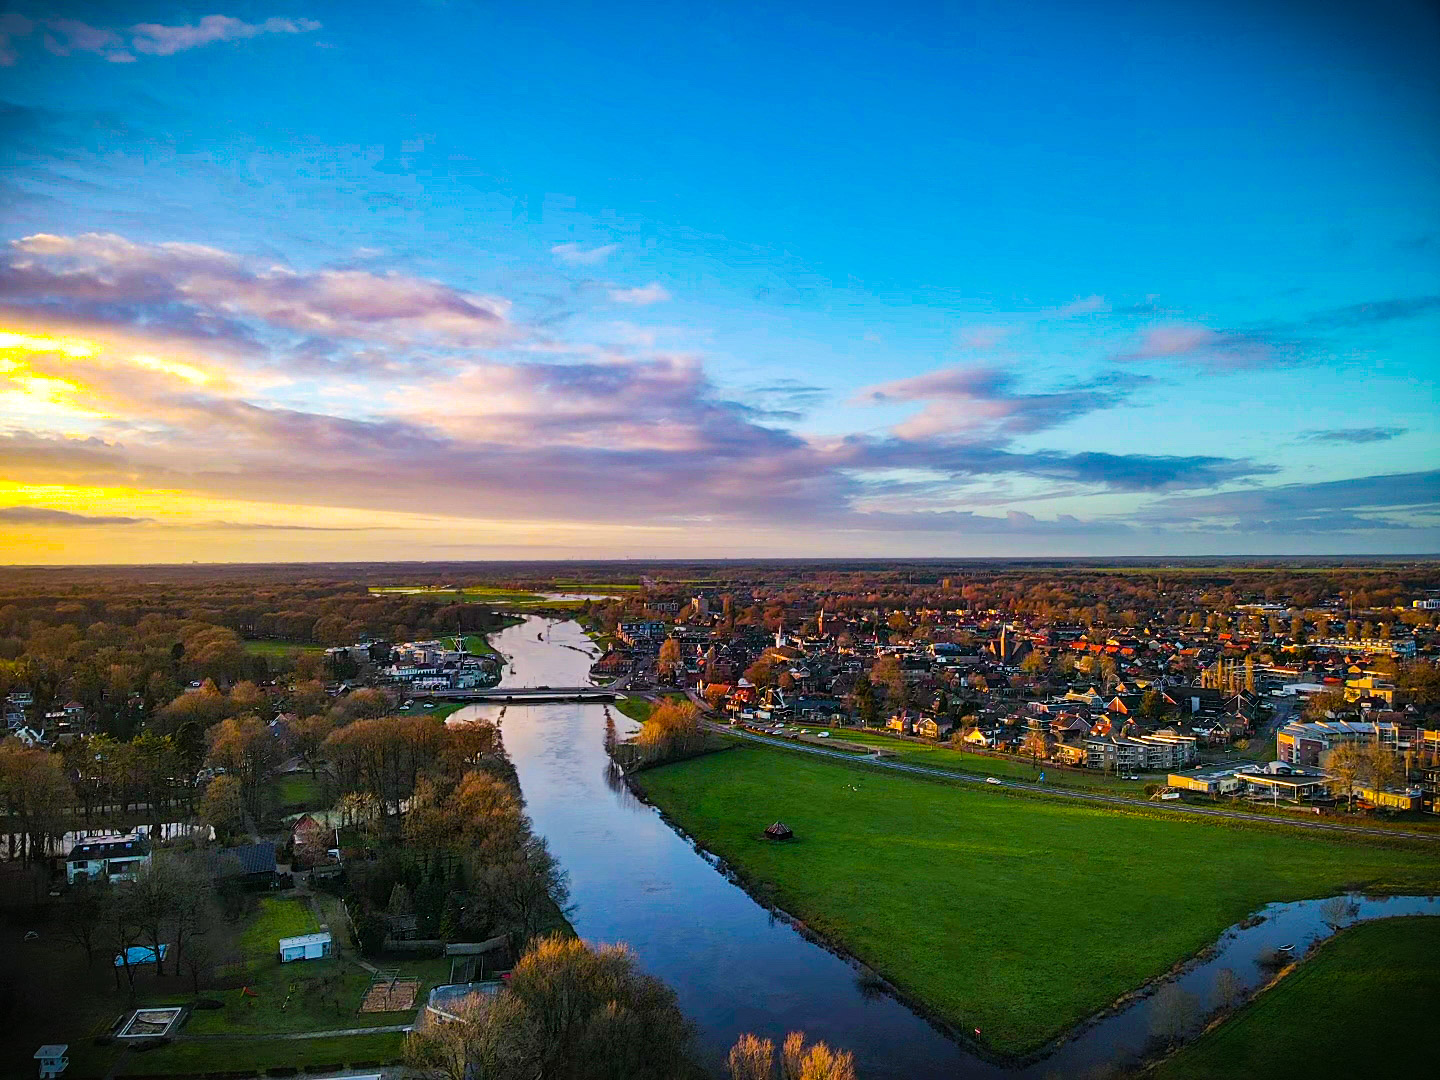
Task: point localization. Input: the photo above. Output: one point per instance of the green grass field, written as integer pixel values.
(276, 649)
(1016, 914)
(943, 757)
(635, 708)
(298, 791)
(195, 1057)
(276, 918)
(1354, 1009)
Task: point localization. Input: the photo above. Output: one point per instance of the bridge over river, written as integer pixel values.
(527, 694)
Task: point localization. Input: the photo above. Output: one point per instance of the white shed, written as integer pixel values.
(305, 947)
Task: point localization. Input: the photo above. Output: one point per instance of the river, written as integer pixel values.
(735, 967)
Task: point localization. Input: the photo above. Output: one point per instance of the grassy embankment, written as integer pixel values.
(935, 756)
(252, 1056)
(1356, 1008)
(1019, 915)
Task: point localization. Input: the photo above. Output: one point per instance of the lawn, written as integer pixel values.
(299, 791)
(1354, 1009)
(278, 648)
(635, 708)
(1016, 914)
(275, 919)
(308, 995)
(943, 757)
(192, 1057)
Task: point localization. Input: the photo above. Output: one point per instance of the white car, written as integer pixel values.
(823, 735)
(991, 780)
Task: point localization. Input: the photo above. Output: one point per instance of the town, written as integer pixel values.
(210, 793)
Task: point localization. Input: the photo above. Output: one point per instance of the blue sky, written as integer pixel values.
(350, 281)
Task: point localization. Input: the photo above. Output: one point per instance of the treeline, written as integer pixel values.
(124, 650)
(438, 809)
(573, 1012)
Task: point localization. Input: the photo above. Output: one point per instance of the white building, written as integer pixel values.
(305, 947)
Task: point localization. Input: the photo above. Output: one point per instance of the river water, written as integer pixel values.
(735, 967)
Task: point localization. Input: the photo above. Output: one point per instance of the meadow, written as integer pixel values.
(1356, 1008)
(1016, 914)
(936, 756)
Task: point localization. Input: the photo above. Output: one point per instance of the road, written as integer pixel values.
(1086, 796)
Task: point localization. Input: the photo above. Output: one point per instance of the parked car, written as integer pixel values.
(991, 780)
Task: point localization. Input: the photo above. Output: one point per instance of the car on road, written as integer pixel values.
(991, 780)
(823, 735)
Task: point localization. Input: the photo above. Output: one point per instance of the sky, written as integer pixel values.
(295, 281)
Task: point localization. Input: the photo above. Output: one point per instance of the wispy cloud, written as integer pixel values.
(64, 36)
(1215, 349)
(204, 291)
(654, 293)
(579, 255)
(1373, 313)
(1081, 305)
(970, 401)
(39, 515)
(1352, 436)
(1380, 502)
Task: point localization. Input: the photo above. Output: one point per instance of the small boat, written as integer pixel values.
(1285, 948)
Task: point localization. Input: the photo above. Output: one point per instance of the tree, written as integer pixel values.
(1035, 747)
(887, 672)
(307, 738)
(670, 662)
(1173, 1012)
(1346, 763)
(245, 747)
(36, 794)
(1228, 990)
(1320, 706)
(570, 1013)
(85, 913)
(198, 959)
(1381, 767)
(751, 1058)
(223, 805)
(1338, 911)
(815, 1062)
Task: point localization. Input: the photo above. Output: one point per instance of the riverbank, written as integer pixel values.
(1358, 1006)
(1015, 916)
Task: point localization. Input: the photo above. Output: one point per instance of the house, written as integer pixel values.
(1114, 753)
(118, 858)
(1281, 780)
(306, 947)
(1412, 798)
(935, 727)
(248, 864)
(310, 840)
(1301, 742)
(1224, 780)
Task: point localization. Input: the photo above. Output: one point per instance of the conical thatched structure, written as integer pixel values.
(779, 831)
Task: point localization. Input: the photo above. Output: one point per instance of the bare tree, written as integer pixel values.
(1345, 764)
(1228, 990)
(1338, 911)
(751, 1058)
(84, 915)
(1173, 1013)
